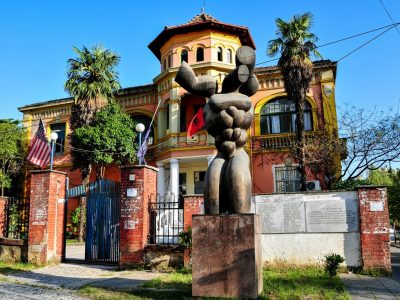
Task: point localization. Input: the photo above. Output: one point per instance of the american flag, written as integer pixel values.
(39, 153)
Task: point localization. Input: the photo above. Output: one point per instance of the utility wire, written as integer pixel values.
(366, 43)
(344, 39)
(384, 7)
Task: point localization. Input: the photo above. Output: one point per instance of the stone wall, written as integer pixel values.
(301, 228)
(12, 250)
(163, 257)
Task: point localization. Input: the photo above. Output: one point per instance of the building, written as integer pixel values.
(209, 46)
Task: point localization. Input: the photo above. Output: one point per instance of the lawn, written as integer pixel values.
(10, 268)
(309, 283)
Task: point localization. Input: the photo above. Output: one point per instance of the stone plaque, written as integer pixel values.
(131, 192)
(281, 217)
(332, 216)
(376, 206)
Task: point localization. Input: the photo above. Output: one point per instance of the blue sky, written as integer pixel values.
(37, 39)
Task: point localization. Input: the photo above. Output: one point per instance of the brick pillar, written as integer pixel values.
(193, 205)
(138, 184)
(3, 215)
(46, 217)
(374, 227)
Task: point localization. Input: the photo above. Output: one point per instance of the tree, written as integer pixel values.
(92, 80)
(295, 43)
(110, 138)
(372, 138)
(11, 152)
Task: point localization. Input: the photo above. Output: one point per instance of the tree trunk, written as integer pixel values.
(300, 142)
(82, 219)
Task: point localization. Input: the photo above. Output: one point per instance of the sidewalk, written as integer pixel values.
(366, 287)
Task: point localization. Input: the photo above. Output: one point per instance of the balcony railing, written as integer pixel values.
(180, 141)
(277, 142)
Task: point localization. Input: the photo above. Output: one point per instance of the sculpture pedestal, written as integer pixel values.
(227, 256)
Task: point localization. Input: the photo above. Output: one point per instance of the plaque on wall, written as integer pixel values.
(332, 216)
(281, 216)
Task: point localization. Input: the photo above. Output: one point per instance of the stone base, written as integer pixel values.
(226, 256)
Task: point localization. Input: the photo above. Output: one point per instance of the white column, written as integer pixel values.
(210, 159)
(174, 177)
(160, 179)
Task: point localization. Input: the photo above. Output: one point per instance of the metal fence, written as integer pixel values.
(16, 219)
(166, 220)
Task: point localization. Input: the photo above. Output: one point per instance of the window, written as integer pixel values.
(199, 54)
(60, 142)
(287, 179)
(170, 61)
(183, 118)
(164, 67)
(184, 55)
(219, 54)
(199, 182)
(279, 116)
(229, 56)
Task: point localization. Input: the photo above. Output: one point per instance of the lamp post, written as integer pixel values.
(140, 128)
(53, 138)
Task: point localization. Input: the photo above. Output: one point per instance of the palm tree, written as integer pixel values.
(295, 43)
(92, 80)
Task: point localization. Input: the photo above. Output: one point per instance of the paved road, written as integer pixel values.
(395, 263)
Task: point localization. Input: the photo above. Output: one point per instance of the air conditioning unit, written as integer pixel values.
(313, 185)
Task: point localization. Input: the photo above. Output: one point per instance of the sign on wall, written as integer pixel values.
(314, 213)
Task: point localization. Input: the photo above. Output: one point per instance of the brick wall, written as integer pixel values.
(3, 215)
(193, 205)
(46, 217)
(134, 222)
(374, 227)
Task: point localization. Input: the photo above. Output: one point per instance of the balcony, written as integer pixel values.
(180, 141)
(275, 142)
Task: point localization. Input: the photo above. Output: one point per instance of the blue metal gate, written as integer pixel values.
(102, 222)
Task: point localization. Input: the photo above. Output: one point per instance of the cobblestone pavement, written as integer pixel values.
(60, 281)
(362, 287)
(74, 276)
(12, 291)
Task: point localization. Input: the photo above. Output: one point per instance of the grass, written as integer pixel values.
(280, 283)
(73, 242)
(10, 268)
(301, 283)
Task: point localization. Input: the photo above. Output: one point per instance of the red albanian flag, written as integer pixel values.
(197, 123)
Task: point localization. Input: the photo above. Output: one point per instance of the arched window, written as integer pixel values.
(184, 55)
(169, 61)
(229, 56)
(219, 54)
(164, 66)
(279, 116)
(199, 54)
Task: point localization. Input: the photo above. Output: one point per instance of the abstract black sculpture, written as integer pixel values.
(228, 116)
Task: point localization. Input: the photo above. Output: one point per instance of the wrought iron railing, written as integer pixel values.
(16, 219)
(275, 142)
(166, 220)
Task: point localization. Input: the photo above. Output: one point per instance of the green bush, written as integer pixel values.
(332, 262)
(185, 238)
